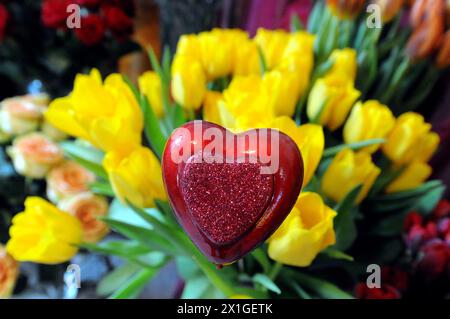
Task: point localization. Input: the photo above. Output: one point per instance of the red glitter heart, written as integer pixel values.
(229, 207)
(225, 199)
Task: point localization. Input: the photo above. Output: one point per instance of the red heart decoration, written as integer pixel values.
(217, 189)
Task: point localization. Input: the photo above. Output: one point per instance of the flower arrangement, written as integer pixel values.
(338, 88)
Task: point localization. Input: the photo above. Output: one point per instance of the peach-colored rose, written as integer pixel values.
(52, 132)
(9, 271)
(87, 207)
(19, 115)
(34, 155)
(68, 179)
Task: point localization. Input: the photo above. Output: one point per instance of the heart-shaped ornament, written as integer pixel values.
(230, 192)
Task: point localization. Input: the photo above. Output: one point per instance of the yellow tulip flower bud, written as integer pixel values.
(306, 231)
(150, 85)
(348, 170)
(411, 140)
(411, 177)
(188, 45)
(284, 91)
(331, 99)
(309, 139)
(246, 58)
(43, 233)
(368, 120)
(188, 82)
(216, 49)
(105, 114)
(344, 62)
(128, 181)
(272, 44)
(211, 107)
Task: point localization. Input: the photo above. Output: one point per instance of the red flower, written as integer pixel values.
(87, 3)
(4, 17)
(92, 30)
(434, 260)
(54, 13)
(444, 227)
(385, 292)
(120, 24)
(413, 218)
(394, 277)
(442, 209)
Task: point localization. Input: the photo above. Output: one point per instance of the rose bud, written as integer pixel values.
(9, 271)
(434, 259)
(415, 237)
(68, 179)
(87, 207)
(19, 116)
(385, 292)
(34, 155)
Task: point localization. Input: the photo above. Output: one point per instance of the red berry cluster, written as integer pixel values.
(4, 17)
(428, 241)
(98, 18)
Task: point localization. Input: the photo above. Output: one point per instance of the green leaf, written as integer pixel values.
(261, 256)
(315, 17)
(134, 285)
(152, 128)
(337, 254)
(145, 236)
(344, 223)
(321, 287)
(266, 282)
(119, 248)
(87, 156)
(195, 287)
(262, 61)
(116, 278)
(296, 24)
(102, 188)
(332, 151)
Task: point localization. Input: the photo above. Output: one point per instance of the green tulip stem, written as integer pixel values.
(276, 268)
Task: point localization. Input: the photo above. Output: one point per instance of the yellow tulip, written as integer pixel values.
(331, 99)
(348, 170)
(309, 139)
(283, 90)
(246, 59)
(129, 181)
(344, 62)
(188, 82)
(413, 176)
(411, 140)
(211, 107)
(150, 85)
(9, 271)
(188, 45)
(105, 114)
(306, 231)
(245, 104)
(272, 44)
(216, 49)
(368, 120)
(43, 233)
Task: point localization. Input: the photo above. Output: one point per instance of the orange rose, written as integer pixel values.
(68, 179)
(9, 271)
(34, 155)
(87, 207)
(19, 115)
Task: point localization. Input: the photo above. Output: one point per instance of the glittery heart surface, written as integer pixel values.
(225, 199)
(228, 208)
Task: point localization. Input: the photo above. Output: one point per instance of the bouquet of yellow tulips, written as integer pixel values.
(339, 88)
